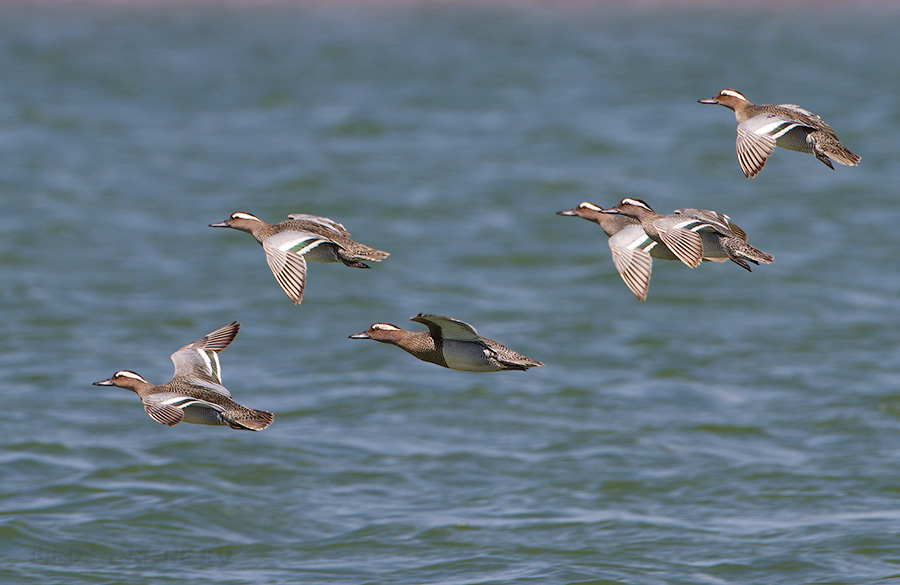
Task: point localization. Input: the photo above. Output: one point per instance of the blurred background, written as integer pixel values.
(734, 428)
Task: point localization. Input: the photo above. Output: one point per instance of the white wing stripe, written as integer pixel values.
(644, 243)
(206, 361)
(777, 129)
(215, 366)
(181, 401)
(294, 245)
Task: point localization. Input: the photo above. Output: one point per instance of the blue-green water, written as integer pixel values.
(734, 428)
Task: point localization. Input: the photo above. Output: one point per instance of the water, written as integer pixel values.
(734, 428)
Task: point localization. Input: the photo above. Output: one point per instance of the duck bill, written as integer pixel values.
(708, 101)
(567, 212)
(612, 211)
(103, 383)
(362, 335)
(219, 224)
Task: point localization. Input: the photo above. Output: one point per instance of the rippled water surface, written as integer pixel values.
(734, 428)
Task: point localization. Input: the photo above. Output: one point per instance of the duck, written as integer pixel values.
(693, 235)
(289, 244)
(633, 250)
(727, 242)
(449, 343)
(195, 393)
(763, 127)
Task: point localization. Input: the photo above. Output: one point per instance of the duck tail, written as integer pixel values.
(833, 149)
(738, 251)
(353, 256)
(249, 419)
(372, 254)
(516, 361)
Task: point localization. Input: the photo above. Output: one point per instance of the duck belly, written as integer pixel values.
(795, 139)
(202, 415)
(469, 357)
(322, 253)
(661, 252)
(712, 247)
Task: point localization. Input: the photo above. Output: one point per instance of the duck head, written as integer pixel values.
(240, 220)
(383, 332)
(730, 98)
(630, 207)
(125, 379)
(586, 210)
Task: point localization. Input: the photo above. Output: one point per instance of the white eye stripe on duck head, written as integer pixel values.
(128, 374)
(635, 203)
(733, 93)
(244, 215)
(589, 205)
(384, 327)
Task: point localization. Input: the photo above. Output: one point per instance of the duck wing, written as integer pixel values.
(805, 117)
(167, 408)
(755, 142)
(448, 328)
(631, 257)
(680, 236)
(200, 360)
(721, 221)
(324, 222)
(284, 253)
